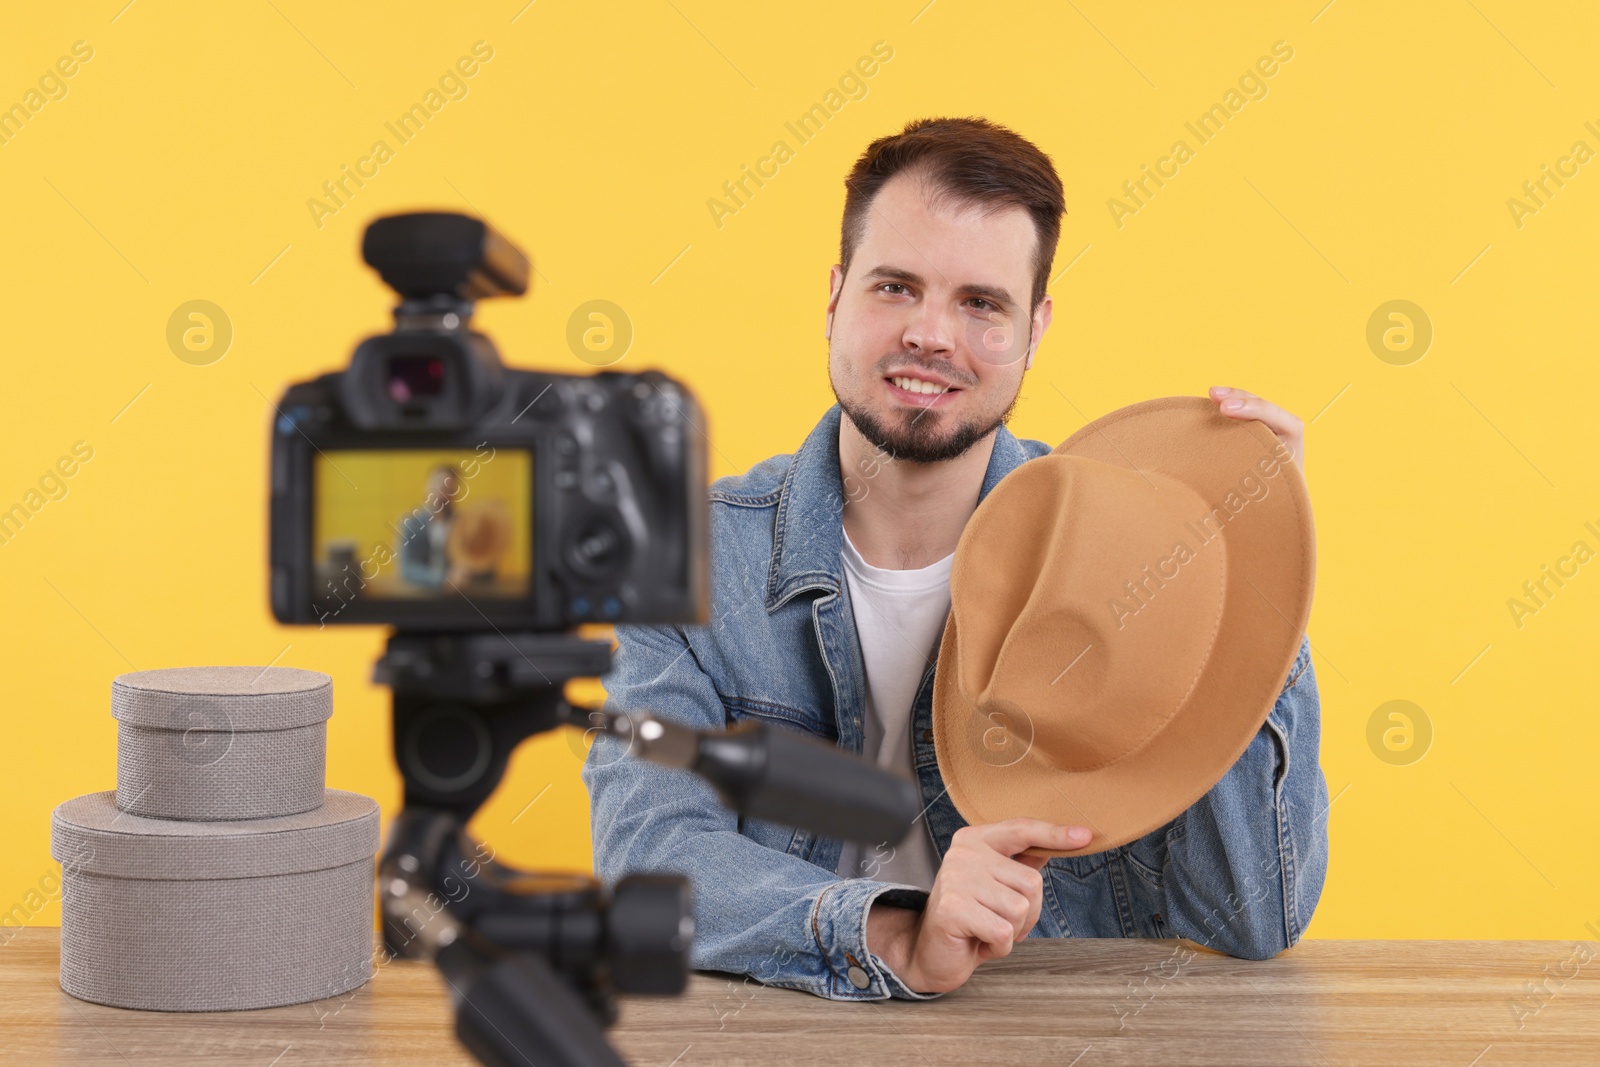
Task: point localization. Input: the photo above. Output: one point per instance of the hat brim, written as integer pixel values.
(1271, 553)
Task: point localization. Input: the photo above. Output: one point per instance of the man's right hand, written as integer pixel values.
(985, 897)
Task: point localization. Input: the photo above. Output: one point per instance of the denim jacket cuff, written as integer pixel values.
(839, 923)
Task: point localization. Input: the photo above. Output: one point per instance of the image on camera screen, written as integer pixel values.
(422, 524)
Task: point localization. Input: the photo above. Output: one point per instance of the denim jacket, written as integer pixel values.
(1239, 871)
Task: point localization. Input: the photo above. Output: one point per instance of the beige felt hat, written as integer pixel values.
(1124, 612)
(480, 534)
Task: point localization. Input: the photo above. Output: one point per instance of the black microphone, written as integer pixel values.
(781, 775)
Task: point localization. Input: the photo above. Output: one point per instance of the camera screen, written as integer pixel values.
(422, 524)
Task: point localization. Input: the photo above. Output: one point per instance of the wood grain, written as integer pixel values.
(1072, 1002)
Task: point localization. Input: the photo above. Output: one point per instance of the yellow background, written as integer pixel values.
(1377, 167)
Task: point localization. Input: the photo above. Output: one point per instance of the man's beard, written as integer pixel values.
(916, 437)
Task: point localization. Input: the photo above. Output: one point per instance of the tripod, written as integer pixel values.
(535, 960)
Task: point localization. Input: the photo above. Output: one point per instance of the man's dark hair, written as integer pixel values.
(966, 162)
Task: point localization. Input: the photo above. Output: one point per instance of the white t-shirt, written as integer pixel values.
(900, 617)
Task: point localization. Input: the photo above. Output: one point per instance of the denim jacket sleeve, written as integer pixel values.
(758, 911)
(1245, 864)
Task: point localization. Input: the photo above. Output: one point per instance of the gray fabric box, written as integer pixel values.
(221, 742)
(170, 915)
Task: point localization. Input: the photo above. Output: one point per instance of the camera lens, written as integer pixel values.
(597, 548)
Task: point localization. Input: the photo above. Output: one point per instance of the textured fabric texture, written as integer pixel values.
(175, 915)
(204, 774)
(1124, 612)
(91, 834)
(221, 742)
(222, 699)
(219, 875)
(224, 944)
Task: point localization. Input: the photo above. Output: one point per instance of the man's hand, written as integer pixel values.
(985, 897)
(1238, 404)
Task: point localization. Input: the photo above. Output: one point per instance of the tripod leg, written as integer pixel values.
(515, 1011)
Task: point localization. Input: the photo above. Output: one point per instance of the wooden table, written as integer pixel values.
(1074, 1002)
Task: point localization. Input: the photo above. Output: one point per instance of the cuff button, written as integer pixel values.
(858, 978)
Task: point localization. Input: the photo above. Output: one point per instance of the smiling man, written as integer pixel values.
(830, 590)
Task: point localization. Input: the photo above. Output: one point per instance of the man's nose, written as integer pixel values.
(930, 329)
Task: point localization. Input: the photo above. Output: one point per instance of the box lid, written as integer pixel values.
(90, 834)
(224, 699)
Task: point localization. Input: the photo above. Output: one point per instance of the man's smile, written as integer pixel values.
(922, 391)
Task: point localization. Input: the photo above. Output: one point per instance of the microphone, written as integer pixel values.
(781, 775)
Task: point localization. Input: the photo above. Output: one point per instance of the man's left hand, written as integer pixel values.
(1238, 404)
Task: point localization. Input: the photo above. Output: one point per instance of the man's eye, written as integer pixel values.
(980, 300)
(897, 285)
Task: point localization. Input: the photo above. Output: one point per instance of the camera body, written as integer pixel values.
(429, 487)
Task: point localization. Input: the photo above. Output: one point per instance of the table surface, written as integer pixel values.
(1080, 1002)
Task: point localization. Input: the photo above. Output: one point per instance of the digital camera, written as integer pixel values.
(430, 487)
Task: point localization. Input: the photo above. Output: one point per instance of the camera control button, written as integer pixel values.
(548, 404)
(611, 608)
(580, 605)
(566, 479)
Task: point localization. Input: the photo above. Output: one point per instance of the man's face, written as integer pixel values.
(940, 298)
(444, 485)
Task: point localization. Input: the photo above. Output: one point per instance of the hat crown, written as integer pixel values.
(1089, 635)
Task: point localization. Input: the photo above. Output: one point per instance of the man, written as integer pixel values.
(829, 572)
(425, 530)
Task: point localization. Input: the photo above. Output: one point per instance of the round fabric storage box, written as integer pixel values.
(215, 916)
(221, 742)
